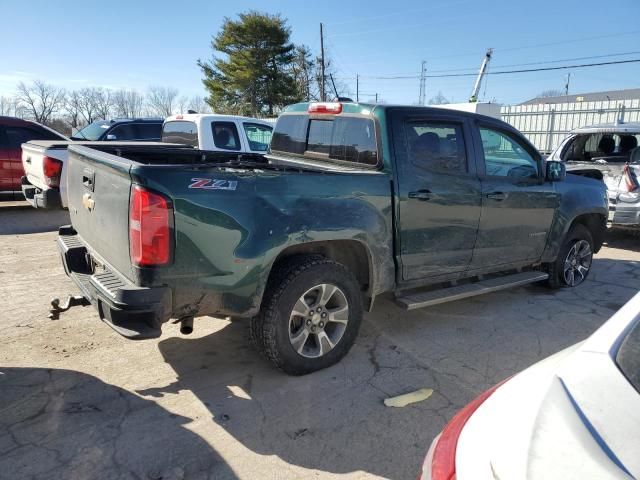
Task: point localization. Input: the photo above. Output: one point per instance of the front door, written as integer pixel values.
(517, 204)
(439, 194)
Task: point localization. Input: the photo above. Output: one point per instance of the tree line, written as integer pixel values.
(67, 110)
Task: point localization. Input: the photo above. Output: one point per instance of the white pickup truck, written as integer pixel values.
(45, 182)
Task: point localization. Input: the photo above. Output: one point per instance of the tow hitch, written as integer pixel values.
(71, 301)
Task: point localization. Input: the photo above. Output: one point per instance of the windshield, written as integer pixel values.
(601, 147)
(340, 138)
(92, 131)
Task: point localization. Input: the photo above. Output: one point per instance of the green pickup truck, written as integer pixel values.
(351, 201)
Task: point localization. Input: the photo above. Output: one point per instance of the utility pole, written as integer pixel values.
(322, 92)
(357, 88)
(376, 97)
(566, 84)
(423, 83)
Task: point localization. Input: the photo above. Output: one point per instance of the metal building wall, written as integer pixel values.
(546, 125)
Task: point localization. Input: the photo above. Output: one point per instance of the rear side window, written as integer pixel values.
(258, 135)
(225, 135)
(343, 138)
(16, 136)
(437, 146)
(180, 132)
(290, 134)
(148, 131)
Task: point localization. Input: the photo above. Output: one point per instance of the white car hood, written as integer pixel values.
(571, 416)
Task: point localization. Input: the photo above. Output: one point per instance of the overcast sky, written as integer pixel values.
(136, 44)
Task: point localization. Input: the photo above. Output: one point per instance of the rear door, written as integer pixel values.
(517, 204)
(439, 193)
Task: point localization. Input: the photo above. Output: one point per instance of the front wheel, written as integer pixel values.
(573, 264)
(311, 315)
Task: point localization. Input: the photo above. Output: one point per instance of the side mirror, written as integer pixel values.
(556, 171)
(111, 136)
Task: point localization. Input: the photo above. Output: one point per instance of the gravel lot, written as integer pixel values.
(78, 401)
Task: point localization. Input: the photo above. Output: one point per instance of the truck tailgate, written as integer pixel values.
(33, 154)
(98, 193)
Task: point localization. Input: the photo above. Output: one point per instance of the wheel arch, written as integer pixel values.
(596, 223)
(353, 254)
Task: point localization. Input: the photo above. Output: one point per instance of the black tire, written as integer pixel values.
(577, 233)
(290, 283)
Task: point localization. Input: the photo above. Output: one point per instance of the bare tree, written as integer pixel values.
(438, 99)
(127, 103)
(103, 100)
(552, 92)
(162, 101)
(72, 106)
(9, 106)
(88, 108)
(182, 104)
(40, 100)
(199, 104)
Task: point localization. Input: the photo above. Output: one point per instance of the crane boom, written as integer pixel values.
(481, 73)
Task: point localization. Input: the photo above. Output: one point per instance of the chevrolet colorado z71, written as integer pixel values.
(351, 201)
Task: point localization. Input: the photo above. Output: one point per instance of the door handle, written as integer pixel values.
(422, 195)
(28, 160)
(498, 196)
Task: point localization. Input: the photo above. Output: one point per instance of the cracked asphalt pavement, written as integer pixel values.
(77, 401)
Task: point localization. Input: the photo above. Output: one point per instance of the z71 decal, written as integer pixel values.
(213, 184)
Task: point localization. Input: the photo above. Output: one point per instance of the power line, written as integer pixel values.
(502, 72)
(540, 62)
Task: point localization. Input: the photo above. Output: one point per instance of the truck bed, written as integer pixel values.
(231, 214)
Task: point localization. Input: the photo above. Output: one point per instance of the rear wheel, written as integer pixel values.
(310, 317)
(573, 264)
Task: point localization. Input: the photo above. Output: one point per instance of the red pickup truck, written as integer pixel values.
(13, 133)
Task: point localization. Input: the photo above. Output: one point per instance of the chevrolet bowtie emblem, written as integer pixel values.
(87, 201)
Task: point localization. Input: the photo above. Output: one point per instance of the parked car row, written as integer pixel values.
(43, 177)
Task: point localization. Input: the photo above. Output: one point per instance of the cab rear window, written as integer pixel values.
(346, 139)
(180, 131)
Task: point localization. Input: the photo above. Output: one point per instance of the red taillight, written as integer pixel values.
(52, 169)
(332, 108)
(443, 461)
(630, 179)
(150, 218)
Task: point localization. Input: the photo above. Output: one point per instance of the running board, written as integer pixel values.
(434, 297)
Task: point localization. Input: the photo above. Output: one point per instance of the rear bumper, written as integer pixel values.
(49, 198)
(628, 216)
(134, 312)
